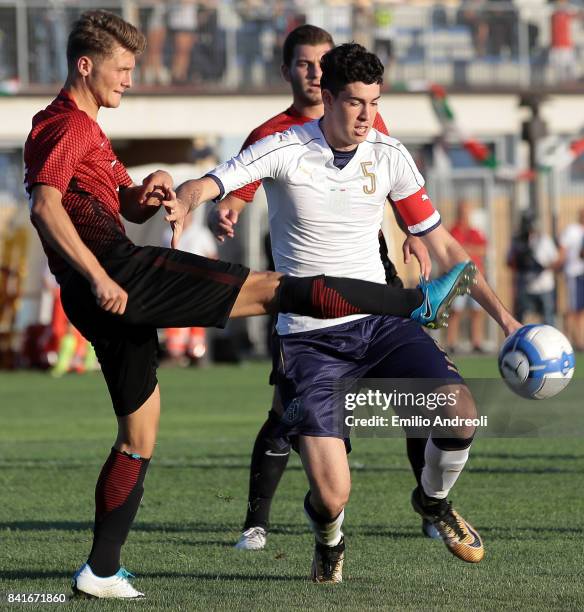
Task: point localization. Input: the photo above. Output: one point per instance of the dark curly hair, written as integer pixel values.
(349, 63)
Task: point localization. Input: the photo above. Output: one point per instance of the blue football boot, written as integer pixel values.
(440, 293)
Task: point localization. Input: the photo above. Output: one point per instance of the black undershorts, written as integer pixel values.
(166, 288)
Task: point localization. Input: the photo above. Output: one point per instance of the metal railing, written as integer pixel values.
(213, 45)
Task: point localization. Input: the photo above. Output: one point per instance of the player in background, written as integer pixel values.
(117, 294)
(327, 185)
(301, 54)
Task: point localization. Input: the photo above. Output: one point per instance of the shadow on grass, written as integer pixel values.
(523, 456)
(25, 574)
(292, 530)
(183, 527)
(494, 533)
(356, 466)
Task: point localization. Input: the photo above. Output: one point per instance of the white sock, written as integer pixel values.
(441, 469)
(330, 533)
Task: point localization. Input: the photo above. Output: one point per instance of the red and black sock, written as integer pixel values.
(329, 297)
(118, 494)
(269, 458)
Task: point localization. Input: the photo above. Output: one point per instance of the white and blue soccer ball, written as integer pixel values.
(537, 361)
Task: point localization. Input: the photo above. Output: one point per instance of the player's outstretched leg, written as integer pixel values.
(269, 458)
(329, 297)
(118, 493)
(445, 460)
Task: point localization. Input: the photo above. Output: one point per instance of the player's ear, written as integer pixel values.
(84, 65)
(327, 98)
(285, 72)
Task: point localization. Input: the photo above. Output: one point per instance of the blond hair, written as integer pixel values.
(97, 33)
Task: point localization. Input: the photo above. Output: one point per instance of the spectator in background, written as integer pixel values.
(562, 57)
(503, 23)
(182, 21)
(383, 34)
(475, 244)
(49, 28)
(572, 257)
(533, 257)
(286, 16)
(5, 71)
(209, 59)
(361, 18)
(255, 18)
(471, 14)
(155, 70)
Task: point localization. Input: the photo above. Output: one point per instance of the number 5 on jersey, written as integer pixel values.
(368, 189)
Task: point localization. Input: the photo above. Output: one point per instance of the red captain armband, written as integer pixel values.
(418, 212)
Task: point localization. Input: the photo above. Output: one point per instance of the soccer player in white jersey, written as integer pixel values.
(326, 183)
(301, 54)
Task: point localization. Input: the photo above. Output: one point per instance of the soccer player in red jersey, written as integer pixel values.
(301, 54)
(117, 294)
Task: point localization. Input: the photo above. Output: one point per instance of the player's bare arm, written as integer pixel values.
(138, 203)
(195, 192)
(448, 251)
(187, 198)
(55, 225)
(224, 216)
(413, 245)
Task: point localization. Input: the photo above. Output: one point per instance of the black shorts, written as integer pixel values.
(166, 288)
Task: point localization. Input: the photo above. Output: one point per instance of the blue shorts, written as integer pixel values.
(309, 365)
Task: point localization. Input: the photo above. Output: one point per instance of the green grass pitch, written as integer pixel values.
(523, 495)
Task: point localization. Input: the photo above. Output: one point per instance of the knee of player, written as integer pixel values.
(467, 408)
(140, 442)
(460, 402)
(333, 502)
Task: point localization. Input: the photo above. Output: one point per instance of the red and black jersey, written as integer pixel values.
(66, 149)
(281, 123)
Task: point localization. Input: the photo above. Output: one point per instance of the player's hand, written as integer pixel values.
(176, 213)
(222, 222)
(154, 187)
(109, 295)
(414, 246)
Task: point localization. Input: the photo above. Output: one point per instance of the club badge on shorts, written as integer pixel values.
(293, 413)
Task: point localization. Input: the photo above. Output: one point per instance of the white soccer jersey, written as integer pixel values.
(324, 219)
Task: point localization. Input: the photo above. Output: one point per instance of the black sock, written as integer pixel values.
(118, 494)
(329, 297)
(268, 461)
(416, 448)
(452, 444)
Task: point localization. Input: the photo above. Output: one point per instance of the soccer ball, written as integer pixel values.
(537, 361)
